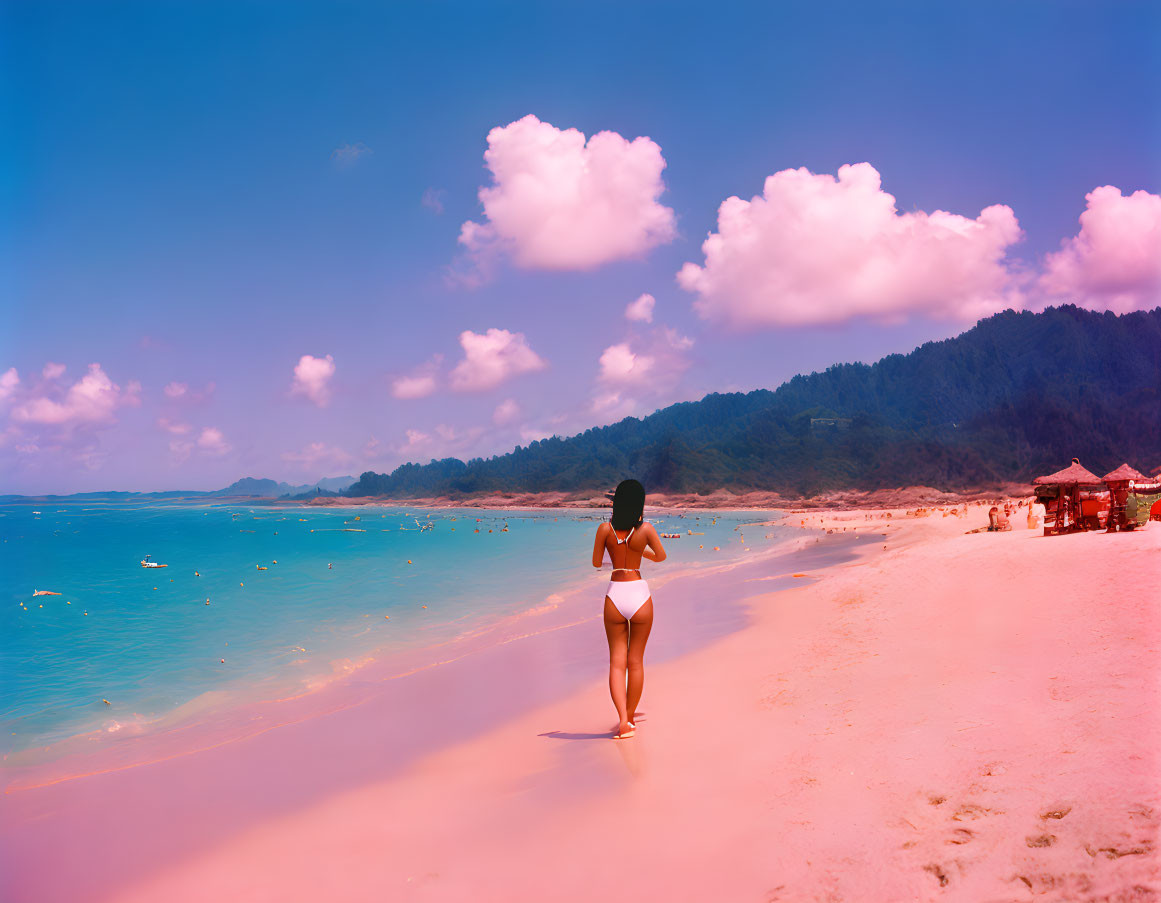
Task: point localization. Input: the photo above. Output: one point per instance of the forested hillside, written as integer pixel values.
(1017, 395)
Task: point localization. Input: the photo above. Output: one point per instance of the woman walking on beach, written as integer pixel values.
(628, 603)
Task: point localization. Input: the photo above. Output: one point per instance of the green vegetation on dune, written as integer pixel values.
(1017, 395)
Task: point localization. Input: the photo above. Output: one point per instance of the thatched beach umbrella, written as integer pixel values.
(1124, 473)
(1073, 474)
(1060, 493)
(1118, 483)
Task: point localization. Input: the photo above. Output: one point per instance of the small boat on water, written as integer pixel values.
(45, 592)
(146, 563)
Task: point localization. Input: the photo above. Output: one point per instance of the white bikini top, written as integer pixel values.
(622, 542)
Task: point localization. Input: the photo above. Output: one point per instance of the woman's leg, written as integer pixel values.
(617, 630)
(639, 627)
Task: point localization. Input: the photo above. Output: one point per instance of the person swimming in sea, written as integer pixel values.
(628, 603)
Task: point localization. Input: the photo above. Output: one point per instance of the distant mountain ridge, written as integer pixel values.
(247, 487)
(1018, 394)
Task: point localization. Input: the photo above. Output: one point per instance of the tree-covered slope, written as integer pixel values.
(1016, 395)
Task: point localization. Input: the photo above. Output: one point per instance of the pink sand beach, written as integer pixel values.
(943, 717)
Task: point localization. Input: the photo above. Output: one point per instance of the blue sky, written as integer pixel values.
(174, 209)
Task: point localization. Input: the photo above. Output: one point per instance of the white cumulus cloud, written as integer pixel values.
(1114, 262)
(641, 310)
(92, 399)
(619, 364)
(492, 358)
(561, 202)
(212, 442)
(813, 248)
(312, 376)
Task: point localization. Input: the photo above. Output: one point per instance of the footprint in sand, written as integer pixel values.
(1141, 841)
(972, 812)
(1073, 884)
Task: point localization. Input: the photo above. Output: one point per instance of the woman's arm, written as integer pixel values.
(653, 550)
(599, 545)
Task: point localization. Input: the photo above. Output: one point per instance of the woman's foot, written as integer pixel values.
(625, 731)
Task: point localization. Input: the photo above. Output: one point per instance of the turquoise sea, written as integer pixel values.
(339, 585)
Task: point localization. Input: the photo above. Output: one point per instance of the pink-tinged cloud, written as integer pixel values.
(312, 376)
(409, 387)
(420, 383)
(182, 392)
(9, 383)
(654, 368)
(53, 371)
(212, 442)
(611, 406)
(174, 428)
(535, 434)
(641, 310)
(506, 412)
(416, 440)
(1114, 262)
(620, 365)
(373, 449)
(813, 248)
(676, 340)
(317, 453)
(94, 398)
(559, 202)
(492, 358)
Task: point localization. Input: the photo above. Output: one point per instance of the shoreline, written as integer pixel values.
(720, 499)
(210, 710)
(477, 690)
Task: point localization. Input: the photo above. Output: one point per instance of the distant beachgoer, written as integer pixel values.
(628, 603)
(997, 522)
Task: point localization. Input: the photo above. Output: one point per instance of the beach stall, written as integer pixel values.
(1141, 494)
(1073, 499)
(1120, 482)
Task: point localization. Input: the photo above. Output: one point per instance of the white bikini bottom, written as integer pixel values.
(628, 595)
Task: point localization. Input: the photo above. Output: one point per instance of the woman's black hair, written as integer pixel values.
(628, 505)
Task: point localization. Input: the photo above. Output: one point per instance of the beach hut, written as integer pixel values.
(1119, 482)
(1072, 499)
(1142, 497)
